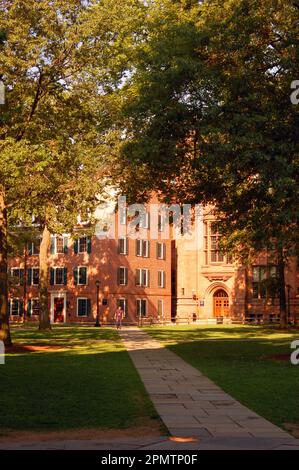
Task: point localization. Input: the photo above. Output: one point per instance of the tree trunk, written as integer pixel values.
(25, 305)
(44, 316)
(282, 290)
(4, 313)
(246, 294)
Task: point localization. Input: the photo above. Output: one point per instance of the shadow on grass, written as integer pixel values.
(92, 385)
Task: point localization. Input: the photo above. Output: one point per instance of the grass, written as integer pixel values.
(239, 359)
(90, 383)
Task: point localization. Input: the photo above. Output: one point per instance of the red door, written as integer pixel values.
(58, 310)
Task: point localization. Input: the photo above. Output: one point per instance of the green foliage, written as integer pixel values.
(56, 128)
(56, 131)
(209, 117)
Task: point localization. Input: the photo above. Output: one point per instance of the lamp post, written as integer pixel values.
(98, 323)
(289, 302)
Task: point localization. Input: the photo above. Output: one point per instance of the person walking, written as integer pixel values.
(119, 315)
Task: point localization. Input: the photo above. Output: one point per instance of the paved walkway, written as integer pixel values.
(191, 405)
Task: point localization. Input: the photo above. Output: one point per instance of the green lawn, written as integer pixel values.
(91, 383)
(238, 359)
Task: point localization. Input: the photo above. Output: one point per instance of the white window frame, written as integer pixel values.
(161, 222)
(146, 224)
(55, 273)
(33, 244)
(146, 271)
(78, 275)
(139, 250)
(10, 308)
(143, 271)
(55, 244)
(161, 277)
(139, 303)
(147, 249)
(86, 249)
(140, 280)
(125, 275)
(31, 306)
(77, 311)
(163, 250)
(125, 240)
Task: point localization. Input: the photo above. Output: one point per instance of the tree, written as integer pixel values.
(209, 119)
(55, 129)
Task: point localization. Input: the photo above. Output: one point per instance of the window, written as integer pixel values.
(264, 282)
(160, 308)
(59, 245)
(161, 222)
(16, 307)
(212, 252)
(122, 276)
(161, 279)
(80, 276)
(145, 220)
(216, 255)
(206, 243)
(259, 275)
(33, 307)
(142, 248)
(33, 276)
(141, 307)
(142, 277)
(58, 276)
(138, 247)
(123, 304)
(82, 245)
(18, 276)
(34, 248)
(142, 220)
(83, 307)
(161, 250)
(123, 246)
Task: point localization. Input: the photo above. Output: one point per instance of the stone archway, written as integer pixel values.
(221, 303)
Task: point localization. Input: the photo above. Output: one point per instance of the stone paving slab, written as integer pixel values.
(191, 405)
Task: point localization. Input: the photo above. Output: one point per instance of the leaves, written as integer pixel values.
(209, 117)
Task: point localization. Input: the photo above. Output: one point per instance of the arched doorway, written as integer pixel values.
(221, 303)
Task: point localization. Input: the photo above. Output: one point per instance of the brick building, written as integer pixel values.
(210, 285)
(156, 278)
(132, 272)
